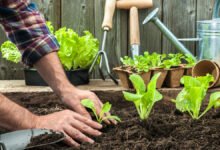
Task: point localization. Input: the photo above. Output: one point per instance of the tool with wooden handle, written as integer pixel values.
(140, 4)
(106, 26)
(134, 32)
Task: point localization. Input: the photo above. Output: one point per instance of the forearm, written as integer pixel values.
(51, 70)
(13, 116)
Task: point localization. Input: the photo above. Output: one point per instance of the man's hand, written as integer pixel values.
(73, 97)
(73, 125)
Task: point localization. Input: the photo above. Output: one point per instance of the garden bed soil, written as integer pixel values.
(166, 128)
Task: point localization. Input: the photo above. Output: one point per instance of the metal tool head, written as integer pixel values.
(103, 60)
(151, 16)
(19, 140)
(135, 50)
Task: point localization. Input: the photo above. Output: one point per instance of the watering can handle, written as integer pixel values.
(2, 146)
(216, 10)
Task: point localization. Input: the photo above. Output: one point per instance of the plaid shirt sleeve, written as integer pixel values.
(25, 27)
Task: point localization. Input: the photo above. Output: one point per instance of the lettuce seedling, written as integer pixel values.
(190, 60)
(105, 109)
(144, 98)
(10, 52)
(141, 64)
(127, 61)
(156, 60)
(191, 97)
(173, 60)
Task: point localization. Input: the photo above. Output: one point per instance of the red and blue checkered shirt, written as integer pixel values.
(25, 27)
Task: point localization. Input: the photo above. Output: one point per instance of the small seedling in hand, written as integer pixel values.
(193, 94)
(144, 99)
(104, 110)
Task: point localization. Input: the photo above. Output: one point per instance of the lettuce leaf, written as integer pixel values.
(144, 98)
(193, 94)
(10, 52)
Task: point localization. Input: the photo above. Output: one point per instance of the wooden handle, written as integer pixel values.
(109, 13)
(134, 27)
(140, 4)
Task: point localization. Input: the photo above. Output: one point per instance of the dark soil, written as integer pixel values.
(166, 128)
(46, 138)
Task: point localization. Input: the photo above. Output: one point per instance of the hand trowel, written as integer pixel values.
(20, 140)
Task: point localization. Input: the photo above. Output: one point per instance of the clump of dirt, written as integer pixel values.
(46, 138)
(166, 128)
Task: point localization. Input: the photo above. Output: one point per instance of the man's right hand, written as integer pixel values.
(73, 125)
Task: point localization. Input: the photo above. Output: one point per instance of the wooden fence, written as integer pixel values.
(179, 15)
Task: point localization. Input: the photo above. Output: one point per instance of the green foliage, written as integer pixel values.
(139, 63)
(75, 51)
(173, 60)
(127, 61)
(147, 61)
(50, 27)
(10, 52)
(144, 98)
(105, 109)
(156, 60)
(190, 60)
(191, 97)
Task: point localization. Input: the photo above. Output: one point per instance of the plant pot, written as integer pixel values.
(204, 67)
(76, 77)
(162, 77)
(188, 70)
(173, 77)
(146, 76)
(123, 75)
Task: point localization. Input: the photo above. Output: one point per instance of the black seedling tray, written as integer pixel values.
(76, 77)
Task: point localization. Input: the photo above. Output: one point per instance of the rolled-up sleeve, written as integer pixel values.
(25, 27)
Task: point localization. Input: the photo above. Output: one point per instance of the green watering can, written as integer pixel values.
(208, 35)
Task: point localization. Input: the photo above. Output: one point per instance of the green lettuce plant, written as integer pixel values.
(193, 94)
(190, 60)
(76, 51)
(105, 109)
(145, 97)
(173, 60)
(10, 52)
(127, 61)
(156, 60)
(139, 63)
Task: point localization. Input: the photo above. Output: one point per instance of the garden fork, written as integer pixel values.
(107, 26)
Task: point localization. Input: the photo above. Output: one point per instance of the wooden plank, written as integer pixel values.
(51, 10)
(78, 15)
(151, 37)
(205, 9)
(179, 16)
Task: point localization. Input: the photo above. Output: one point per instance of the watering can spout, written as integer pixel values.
(152, 17)
(216, 10)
